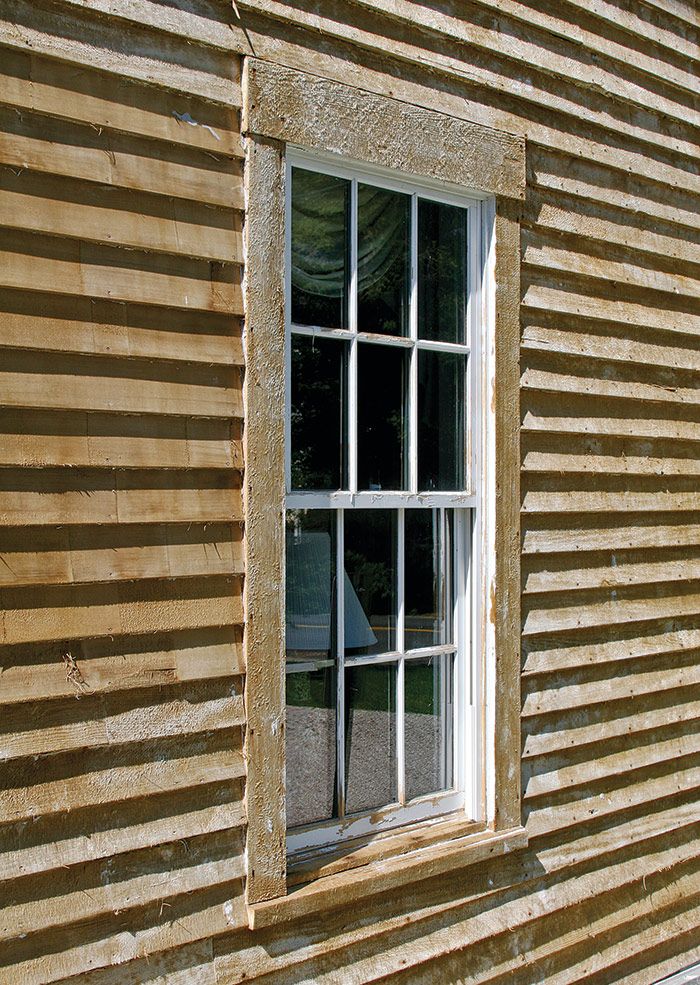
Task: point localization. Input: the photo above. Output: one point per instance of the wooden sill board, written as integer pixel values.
(383, 875)
(316, 863)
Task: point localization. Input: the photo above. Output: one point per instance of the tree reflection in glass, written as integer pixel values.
(311, 665)
(370, 563)
(427, 720)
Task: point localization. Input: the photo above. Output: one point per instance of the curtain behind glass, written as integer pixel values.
(320, 246)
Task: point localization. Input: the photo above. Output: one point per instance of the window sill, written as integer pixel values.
(371, 870)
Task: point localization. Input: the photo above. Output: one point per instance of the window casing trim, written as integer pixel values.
(470, 541)
(322, 123)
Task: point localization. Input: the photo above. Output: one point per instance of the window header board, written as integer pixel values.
(323, 115)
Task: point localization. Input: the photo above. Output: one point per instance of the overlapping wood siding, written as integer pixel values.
(121, 768)
(120, 562)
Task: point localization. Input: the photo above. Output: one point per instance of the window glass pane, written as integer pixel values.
(320, 204)
(383, 260)
(442, 271)
(370, 737)
(310, 745)
(318, 413)
(441, 436)
(370, 586)
(311, 674)
(381, 417)
(428, 725)
(426, 580)
(310, 584)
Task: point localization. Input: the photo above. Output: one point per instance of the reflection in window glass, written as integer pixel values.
(442, 272)
(381, 417)
(370, 737)
(310, 745)
(425, 580)
(441, 446)
(310, 584)
(383, 260)
(311, 670)
(427, 725)
(371, 605)
(320, 204)
(372, 418)
(318, 413)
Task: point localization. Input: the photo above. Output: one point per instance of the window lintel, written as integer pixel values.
(322, 115)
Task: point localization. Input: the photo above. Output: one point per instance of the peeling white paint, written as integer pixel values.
(186, 118)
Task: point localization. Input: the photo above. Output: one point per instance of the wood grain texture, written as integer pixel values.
(122, 664)
(311, 112)
(264, 506)
(121, 552)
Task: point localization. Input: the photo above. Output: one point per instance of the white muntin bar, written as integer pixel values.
(413, 365)
(435, 346)
(447, 631)
(340, 662)
(429, 345)
(372, 659)
(287, 323)
(400, 646)
(474, 307)
(320, 332)
(352, 324)
(440, 674)
(464, 768)
(393, 340)
(400, 733)
(391, 656)
(377, 500)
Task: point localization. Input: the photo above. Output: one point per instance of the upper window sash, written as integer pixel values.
(465, 494)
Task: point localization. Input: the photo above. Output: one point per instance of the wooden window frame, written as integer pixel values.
(464, 727)
(287, 108)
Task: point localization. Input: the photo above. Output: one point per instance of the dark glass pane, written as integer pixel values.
(370, 585)
(425, 580)
(318, 413)
(320, 205)
(381, 417)
(370, 737)
(310, 745)
(311, 673)
(383, 260)
(428, 725)
(441, 435)
(442, 271)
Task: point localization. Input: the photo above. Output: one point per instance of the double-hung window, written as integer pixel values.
(383, 513)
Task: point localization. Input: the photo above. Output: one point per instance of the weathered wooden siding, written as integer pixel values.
(120, 358)
(121, 796)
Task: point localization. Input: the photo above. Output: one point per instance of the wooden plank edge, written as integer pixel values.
(140, 68)
(138, 838)
(358, 885)
(63, 347)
